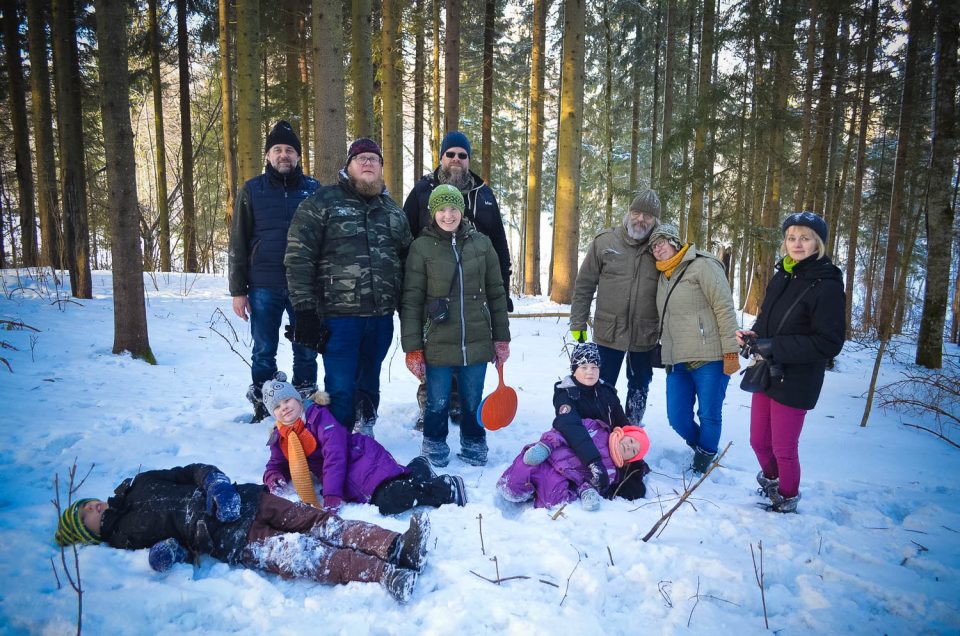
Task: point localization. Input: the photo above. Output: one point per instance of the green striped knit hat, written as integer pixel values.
(71, 528)
(443, 196)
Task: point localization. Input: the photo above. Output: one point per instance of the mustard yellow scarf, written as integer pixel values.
(670, 264)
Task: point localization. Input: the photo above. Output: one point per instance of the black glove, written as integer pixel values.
(509, 304)
(309, 330)
(764, 348)
(598, 476)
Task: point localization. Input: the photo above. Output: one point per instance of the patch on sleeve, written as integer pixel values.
(564, 409)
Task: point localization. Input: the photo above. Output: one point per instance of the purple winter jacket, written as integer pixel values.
(349, 466)
(562, 477)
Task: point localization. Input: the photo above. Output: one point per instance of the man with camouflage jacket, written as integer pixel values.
(344, 262)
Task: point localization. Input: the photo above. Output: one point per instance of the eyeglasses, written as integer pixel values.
(646, 216)
(459, 155)
(366, 160)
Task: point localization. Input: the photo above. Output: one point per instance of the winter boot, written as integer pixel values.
(636, 406)
(458, 491)
(365, 415)
(590, 499)
(768, 487)
(779, 503)
(436, 451)
(365, 427)
(306, 389)
(412, 544)
(419, 466)
(398, 582)
(256, 399)
(702, 460)
(473, 450)
(422, 405)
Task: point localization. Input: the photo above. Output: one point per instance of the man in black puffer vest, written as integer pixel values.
(258, 280)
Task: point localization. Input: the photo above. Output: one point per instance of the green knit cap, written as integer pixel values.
(443, 196)
(71, 528)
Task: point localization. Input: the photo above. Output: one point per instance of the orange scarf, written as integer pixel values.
(295, 448)
(670, 264)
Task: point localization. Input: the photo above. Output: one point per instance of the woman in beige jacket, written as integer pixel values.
(698, 339)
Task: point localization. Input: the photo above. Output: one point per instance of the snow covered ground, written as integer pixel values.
(874, 550)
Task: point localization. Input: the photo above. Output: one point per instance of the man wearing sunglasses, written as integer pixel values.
(344, 261)
(481, 209)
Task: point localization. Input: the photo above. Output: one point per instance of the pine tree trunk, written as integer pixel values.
(607, 125)
(305, 90)
(419, 92)
(814, 199)
(451, 67)
(328, 90)
(21, 135)
(839, 106)
(566, 226)
(66, 75)
(291, 67)
(939, 208)
(129, 310)
(668, 70)
(635, 148)
(436, 84)
(486, 121)
(915, 36)
(704, 101)
(361, 68)
(854, 234)
(50, 239)
(226, 99)
(249, 136)
(389, 36)
(163, 207)
(186, 144)
(531, 269)
(680, 184)
(806, 122)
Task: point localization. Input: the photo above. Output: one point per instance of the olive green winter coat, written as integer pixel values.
(700, 323)
(623, 274)
(477, 301)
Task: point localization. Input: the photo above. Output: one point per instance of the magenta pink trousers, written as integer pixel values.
(775, 438)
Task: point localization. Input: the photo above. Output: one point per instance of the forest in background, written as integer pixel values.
(127, 127)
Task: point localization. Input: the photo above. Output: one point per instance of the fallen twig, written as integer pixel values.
(664, 588)
(758, 573)
(558, 513)
(567, 588)
(695, 603)
(935, 433)
(53, 567)
(686, 494)
(551, 583)
(483, 550)
(610, 554)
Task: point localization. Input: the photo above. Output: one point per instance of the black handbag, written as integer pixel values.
(756, 377)
(656, 354)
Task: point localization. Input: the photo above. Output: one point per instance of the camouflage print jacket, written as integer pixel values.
(345, 253)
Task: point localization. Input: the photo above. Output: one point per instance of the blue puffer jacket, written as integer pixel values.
(258, 237)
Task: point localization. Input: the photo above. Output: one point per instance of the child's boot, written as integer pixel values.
(398, 582)
(412, 544)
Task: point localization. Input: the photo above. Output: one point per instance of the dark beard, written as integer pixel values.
(366, 189)
(461, 181)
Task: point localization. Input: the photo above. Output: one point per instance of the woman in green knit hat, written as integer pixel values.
(453, 322)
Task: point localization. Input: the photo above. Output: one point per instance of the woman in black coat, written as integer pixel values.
(801, 325)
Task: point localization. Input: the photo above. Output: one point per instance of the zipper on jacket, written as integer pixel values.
(703, 337)
(463, 322)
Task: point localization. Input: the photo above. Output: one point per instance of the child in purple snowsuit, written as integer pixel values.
(350, 466)
(551, 473)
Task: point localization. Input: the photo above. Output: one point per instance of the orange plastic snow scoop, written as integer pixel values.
(499, 408)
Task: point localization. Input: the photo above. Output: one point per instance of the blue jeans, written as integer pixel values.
(436, 415)
(707, 385)
(351, 364)
(267, 305)
(639, 375)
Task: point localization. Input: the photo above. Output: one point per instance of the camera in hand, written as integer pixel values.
(750, 348)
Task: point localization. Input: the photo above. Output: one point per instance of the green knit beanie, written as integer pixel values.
(70, 529)
(443, 196)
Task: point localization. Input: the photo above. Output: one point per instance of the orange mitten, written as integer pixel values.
(416, 364)
(731, 363)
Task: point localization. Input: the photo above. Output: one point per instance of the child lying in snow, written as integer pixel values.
(350, 466)
(550, 473)
(192, 510)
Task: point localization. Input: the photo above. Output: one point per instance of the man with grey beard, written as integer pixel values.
(621, 270)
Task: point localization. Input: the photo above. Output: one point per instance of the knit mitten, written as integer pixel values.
(536, 454)
(501, 352)
(731, 363)
(165, 554)
(590, 499)
(222, 497)
(416, 364)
